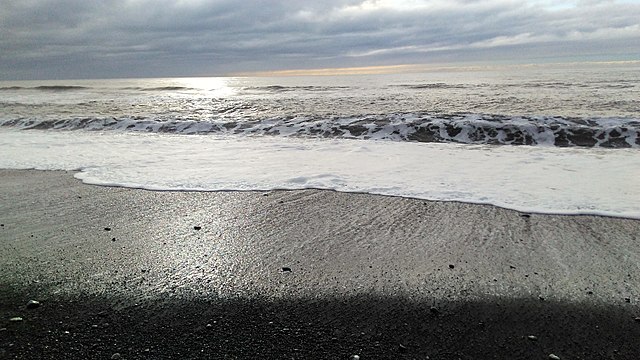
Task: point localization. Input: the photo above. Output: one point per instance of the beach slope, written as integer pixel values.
(127, 273)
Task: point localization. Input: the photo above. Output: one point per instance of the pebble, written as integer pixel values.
(532, 338)
(116, 356)
(286, 269)
(451, 266)
(3, 329)
(554, 357)
(15, 319)
(627, 300)
(434, 310)
(197, 227)
(107, 229)
(354, 357)
(113, 239)
(32, 304)
(637, 319)
(403, 349)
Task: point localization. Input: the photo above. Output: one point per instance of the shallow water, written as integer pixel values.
(525, 178)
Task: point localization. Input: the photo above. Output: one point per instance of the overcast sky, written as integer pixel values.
(139, 38)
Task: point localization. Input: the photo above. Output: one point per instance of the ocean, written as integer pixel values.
(560, 139)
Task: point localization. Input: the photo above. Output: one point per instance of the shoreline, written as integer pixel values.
(305, 274)
(527, 179)
(284, 190)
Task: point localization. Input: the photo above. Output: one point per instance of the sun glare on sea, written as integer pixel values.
(213, 86)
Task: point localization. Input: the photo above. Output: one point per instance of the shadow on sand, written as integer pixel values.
(324, 328)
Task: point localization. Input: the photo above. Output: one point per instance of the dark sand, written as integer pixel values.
(370, 275)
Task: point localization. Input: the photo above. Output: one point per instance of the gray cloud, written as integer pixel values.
(79, 38)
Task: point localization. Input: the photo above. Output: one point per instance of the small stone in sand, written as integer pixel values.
(355, 357)
(3, 329)
(286, 269)
(451, 266)
(532, 338)
(15, 319)
(113, 239)
(107, 229)
(627, 300)
(434, 310)
(116, 356)
(637, 319)
(554, 357)
(32, 304)
(526, 216)
(197, 228)
(403, 349)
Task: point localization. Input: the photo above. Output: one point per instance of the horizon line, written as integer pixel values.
(413, 68)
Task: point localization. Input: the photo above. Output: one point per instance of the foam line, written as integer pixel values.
(525, 178)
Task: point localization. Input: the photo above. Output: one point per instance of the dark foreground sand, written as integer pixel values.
(205, 275)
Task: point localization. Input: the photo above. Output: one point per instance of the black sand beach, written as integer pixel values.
(129, 274)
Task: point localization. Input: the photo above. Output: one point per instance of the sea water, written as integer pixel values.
(549, 139)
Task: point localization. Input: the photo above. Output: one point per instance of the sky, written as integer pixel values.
(67, 39)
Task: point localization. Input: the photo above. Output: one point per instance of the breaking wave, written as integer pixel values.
(416, 127)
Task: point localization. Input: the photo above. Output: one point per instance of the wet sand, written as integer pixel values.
(305, 274)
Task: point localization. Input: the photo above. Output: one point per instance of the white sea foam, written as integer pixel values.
(532, 179)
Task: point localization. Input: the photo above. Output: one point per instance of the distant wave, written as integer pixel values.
(60, 87)
(417, 127)
(75, 87)
(279, 88)
(158, 88)
(45, 88)
(166, 88)
(432, 86)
